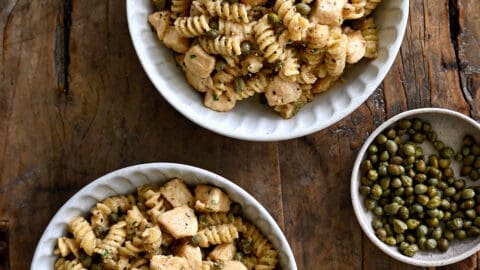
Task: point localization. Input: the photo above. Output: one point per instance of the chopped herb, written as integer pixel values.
(209, 191)
(213, 202)
(105, 253)
(215, 97)
(134, 222)
(192, 56)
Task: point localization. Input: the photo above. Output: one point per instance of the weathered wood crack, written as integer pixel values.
(62, 43)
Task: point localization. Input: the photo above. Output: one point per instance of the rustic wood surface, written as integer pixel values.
(75, 104)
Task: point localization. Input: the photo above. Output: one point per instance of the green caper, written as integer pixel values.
(418, 137)
(113, 217)
(443, 244)
(423, 199)
(408, 150)
(468, 160)
(411, 250)
(381, 233)
(417, 124)
(449, 235)
(213, 24)
(273, 19)
(370, 204)
(303, 9)
(431, 243)
(220, 64)
(246, 47)
(432, 222)
(468, 193)
(403, 213)
(397, 160)
(392, 209)
(460, 234)
(378, 211)
(444, 163)
(364, 190)
(376, 191)
(391, 146)
(377, 223)
(475, 149)
(400, 238)
(475, 175)
(384, 156)
(459, 184)
(381, 139)
(421, 230)
(432, 136)
(394, 170)
(467, 204)
(213, 33)
(416, 208)
(391, 133)
(437, 233)
(239, 86)
(390, 240)
(438, 145)
(447, 152)
(420, 189)
(404, 124)
(449, 192)
(372, 174)
(473, 231)
(421, 177)
(277, 66)
(432, 190)
(455, 224)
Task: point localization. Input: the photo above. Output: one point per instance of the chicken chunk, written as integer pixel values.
(175, 41)
(280, 91)
(179, 222)
(192, 254)
(199, 62)
(356, 46)
(177, 193)
(200, 84)
(220, 103)
(160, 21)
(328, 12)
(211, 199)
(224, 252)
(161, 262)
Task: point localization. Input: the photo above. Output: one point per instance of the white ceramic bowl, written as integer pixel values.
(450, 127)
(251, 120)
(126, 180)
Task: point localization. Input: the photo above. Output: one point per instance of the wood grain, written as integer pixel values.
(75, 104)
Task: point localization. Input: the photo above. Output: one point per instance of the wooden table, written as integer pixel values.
(75, 104)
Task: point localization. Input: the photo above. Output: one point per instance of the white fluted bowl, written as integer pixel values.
(450, 126)
(250, 120)
(126, 180)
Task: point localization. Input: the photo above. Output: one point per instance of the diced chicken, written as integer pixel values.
(254, 3)
(211, 199)
(179, 222)
(234, 265)
(192, 254)
(200, 84)
(199, 62)
(280, 91)
(220, 103)
(224, 252)
(175, 41)
(356, 46)
(161, 262)
(177, 193)
(328, 12)
(160, 21)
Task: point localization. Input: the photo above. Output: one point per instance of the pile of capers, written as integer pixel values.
(417, 202)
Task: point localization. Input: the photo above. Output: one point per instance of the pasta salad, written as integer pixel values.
(285, 50)
(166, 227)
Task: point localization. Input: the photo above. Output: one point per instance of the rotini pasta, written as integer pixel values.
(296, 24)
(236, 12)
(369, 33)
(267, 41)
(192, 26)
(223, 45)
(137, 239)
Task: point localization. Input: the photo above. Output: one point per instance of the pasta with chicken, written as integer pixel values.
(166, 227)
(293, 44)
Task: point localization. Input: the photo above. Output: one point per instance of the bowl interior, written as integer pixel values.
(249, 119)
(450, 127)
(128, 179)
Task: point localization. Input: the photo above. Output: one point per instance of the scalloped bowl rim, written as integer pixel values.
(356, 197)
(201, 118)
(45, 249)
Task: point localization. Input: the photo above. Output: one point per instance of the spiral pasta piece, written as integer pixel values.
(152, 240)
(369, 33)
(254, 85)
(157, 205)
(192, 26)
(109, 246)
(215, 235)
(267, 41)
(213, 219)
(63, 264)
(180, 7)
(296, 24)
(354, 10)
(268, 260)
(130, 250)
(83, 234)
(236, 12)
(102, 210)
(65, 246)
(336, 56)
(230, 28)
(370, 6)
(223, 45)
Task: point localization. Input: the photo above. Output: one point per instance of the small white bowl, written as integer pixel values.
(451, 127)
(126, 180)
(250, 120)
